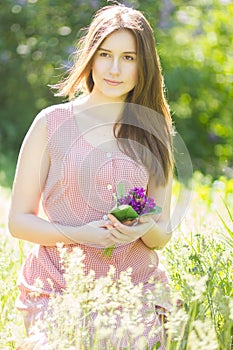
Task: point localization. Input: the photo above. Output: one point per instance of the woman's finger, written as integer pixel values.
(114, 220)
(130, 222)
(143, 219)
(119, 237)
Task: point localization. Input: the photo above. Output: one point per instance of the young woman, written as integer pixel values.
(115, 128)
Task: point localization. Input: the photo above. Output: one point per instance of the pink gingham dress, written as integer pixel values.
(79, 189)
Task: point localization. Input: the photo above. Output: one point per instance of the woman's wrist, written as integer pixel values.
(156, 237)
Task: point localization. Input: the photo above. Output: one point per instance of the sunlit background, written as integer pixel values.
(195, 42)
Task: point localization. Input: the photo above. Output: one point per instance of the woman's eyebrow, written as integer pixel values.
(125, 52)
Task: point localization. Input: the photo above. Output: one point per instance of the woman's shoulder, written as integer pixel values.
(54, 115)
(56, 110)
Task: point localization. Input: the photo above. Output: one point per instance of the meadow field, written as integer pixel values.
(198, 260)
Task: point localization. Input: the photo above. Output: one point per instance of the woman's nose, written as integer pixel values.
(115, 69)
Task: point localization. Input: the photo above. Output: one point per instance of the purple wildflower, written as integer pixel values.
(138, 200)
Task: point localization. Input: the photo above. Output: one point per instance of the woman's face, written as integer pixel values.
(114, 69)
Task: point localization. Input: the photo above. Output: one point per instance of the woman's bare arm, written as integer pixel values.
(31, 173)
(160, 232)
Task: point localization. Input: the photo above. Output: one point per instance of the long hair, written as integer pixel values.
(145, 134)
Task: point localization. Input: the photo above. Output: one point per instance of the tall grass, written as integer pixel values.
(198, 259)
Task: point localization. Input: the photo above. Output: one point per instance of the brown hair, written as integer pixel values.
(146, 118)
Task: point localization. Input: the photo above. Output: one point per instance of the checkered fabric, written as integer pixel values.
(79, 189)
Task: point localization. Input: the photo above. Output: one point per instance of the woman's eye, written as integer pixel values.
(129, 58)
(104, 54)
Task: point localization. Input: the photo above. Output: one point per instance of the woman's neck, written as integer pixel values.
(101, 110)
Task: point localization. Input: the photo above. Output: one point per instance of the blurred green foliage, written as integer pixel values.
(195, 43)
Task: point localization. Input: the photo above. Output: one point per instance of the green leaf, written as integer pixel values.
(156, 210)
(120, 189)
(124, 212)
(108, 251)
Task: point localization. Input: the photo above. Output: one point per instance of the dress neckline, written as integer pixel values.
(87, 142)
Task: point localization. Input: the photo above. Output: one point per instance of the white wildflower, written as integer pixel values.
(176, 324)
(202, 336)
(231, 309)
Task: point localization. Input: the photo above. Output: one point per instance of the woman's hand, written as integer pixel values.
(97, 233)
(126, 233)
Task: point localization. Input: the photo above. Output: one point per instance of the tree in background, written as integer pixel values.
(197, 58)
(194, 40)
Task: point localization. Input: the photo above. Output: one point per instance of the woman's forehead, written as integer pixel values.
(122, 39)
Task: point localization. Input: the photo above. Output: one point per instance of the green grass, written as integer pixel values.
(198, 259)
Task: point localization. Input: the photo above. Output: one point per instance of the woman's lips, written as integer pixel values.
(112, 82)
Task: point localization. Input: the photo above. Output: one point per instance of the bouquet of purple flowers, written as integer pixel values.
(136, 203)
(131, 206)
